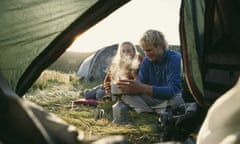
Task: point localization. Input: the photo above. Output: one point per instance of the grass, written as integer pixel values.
(55, 91)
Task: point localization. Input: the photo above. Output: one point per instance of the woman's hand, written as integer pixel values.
(107, 87)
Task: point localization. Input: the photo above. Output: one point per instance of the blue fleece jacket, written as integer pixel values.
(164, 76)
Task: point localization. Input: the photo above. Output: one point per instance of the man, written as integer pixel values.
(158, 83)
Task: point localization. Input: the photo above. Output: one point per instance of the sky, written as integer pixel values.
(129, 22)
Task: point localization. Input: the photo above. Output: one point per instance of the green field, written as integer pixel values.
(55, 91)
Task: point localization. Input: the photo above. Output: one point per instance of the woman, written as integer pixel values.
(126, 61)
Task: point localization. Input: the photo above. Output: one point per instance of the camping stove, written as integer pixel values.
(119, 108)
(119, 111)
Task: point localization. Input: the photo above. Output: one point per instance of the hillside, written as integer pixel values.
(69, 61)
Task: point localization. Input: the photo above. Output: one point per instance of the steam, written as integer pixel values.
(122, 66)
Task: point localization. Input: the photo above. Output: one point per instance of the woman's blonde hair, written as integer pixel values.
(154, 38)
(119, 52)
(122, 64)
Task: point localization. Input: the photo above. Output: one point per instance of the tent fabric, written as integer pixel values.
(192, 29)
(210, 47)
(38, 32)
(28, 27)
(222, 48)
(84, 67)
(94, 67)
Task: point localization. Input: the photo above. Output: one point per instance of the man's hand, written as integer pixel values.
(131, 86)
(134, 86)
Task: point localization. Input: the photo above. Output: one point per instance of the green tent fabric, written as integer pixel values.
(192, 26)
(210, 38)
(35, 33)
(28, 28)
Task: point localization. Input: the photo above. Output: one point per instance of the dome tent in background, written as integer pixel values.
(95, 66)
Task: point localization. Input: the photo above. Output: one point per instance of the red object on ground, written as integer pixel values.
(91, 102)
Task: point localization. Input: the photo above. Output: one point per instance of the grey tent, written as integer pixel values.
(94, 67)
(35, 33)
